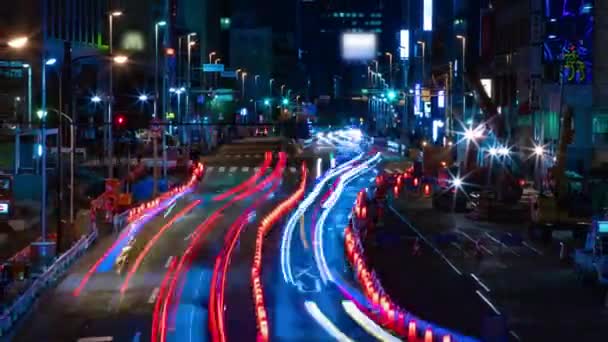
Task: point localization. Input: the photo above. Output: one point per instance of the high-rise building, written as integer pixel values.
(320, 28)
(74, 29)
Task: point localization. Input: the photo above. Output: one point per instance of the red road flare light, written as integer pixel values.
(416, 181)
(411, 330)
(522, 182)
(427, 190)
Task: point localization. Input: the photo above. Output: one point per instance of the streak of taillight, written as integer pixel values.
(152, 242)
(249, 182)
(157, 305)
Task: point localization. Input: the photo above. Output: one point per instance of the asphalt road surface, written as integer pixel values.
(537, 293)
(101, 309)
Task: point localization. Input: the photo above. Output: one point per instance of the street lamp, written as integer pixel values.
(390, 64)
(143, 97)
(118, 60)
(161, 23)
(282, 88)
(18, 43)
(243, 85)
(213, 53)
(423, 44)
(51, 61)
(464, 98)
(29, 94)
(270, 82)
(96, 99)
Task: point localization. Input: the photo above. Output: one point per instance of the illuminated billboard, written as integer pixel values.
(427, 15)
(404, 42)
(359, 46)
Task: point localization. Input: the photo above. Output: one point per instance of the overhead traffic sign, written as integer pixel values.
(213, 67)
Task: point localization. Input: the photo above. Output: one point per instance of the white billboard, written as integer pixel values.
(359, 46)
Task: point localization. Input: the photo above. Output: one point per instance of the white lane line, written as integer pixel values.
(245, 169)
(532, 248)
(96, 339)
(399, 171)
(475, 241)
(502, 244)
(238, 156)
(222, 169)
(168, 261)
(232, 169)
(210, 168)
(390, 172)
(292, 169)
(512, 333)
(246, 156)
(426, 241)
(153, 296)
(487, 302)
(455, 244)
(484, 286)
(325, 323)
(366, 323)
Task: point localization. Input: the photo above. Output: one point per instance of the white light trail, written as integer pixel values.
(366, 323)
(325, 323)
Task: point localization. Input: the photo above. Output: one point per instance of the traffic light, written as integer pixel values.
(121, 120)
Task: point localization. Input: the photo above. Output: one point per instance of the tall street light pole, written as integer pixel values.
(190, 43)
(423, 45)
(110, 146)
(156, 94)
(244, 76)
(282, 89)
(29, 94)
(270, 82)
(390, 67)
(464, 55)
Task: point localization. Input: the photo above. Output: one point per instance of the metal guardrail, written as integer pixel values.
(22, 304)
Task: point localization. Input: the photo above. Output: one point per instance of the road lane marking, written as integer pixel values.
(398, 170)
(232, 169)
(487, 301)
(512, 333)
(293, 169)
(168, 261)
(246, 156)
(245, 169)
(502, 244)
(426, 240)
(153, 296)
(303, 232)
(256, 169)
(222, 168)
(96, 339)
(238, 156)
(475, 241)
(390, 172)
(484, 286)
(532, 248)
(258, 156)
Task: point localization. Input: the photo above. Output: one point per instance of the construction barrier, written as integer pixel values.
(380, 307)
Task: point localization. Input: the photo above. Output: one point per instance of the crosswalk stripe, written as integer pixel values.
(258, 156)
(256, 169)
(222, 168)
(245, 168)
(292, 169)
(232, 169)
(210, 168)
(238, 156)
(246, 156)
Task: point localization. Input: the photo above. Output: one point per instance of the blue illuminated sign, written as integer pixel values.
(441, 99)
(602, 226)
